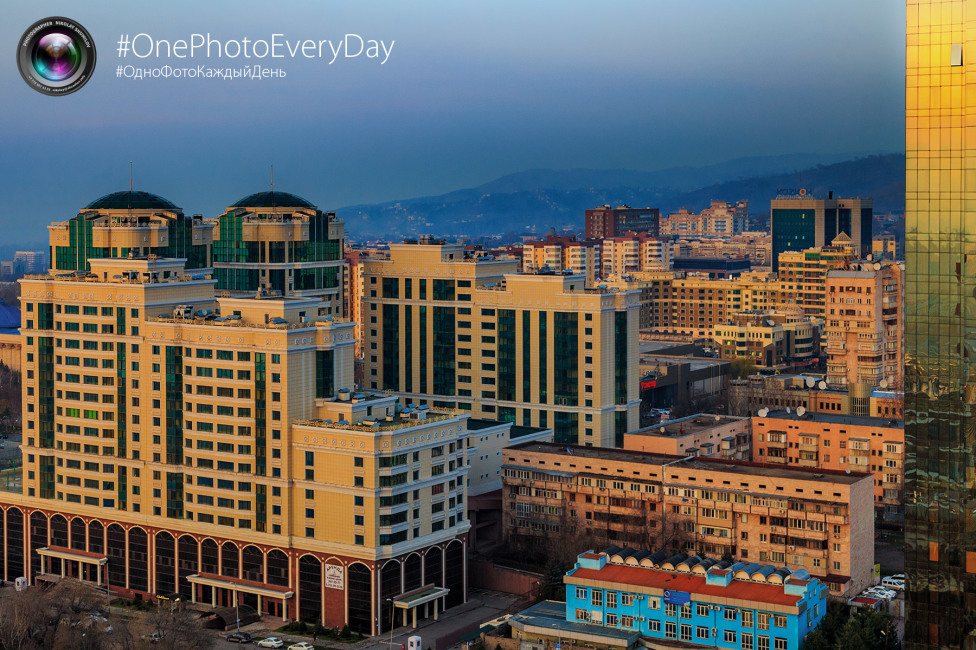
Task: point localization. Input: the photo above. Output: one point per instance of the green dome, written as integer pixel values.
(272, 199)
(133, 200)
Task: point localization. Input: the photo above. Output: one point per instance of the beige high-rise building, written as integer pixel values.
(461, 329)
(561, 254)
(179, 442)
(633, 253)
(803, 274)
(865, 322)
(720, 219)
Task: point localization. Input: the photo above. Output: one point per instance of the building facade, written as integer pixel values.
(606, 222)
(770, 339)
(748, 395)
(839, 443)
(634, 253)
(695, 600)
(801, 222)
(864, 325)
(821, 521)
(720, 219)
(940, 366)
(561, 254)
(803, 274)
(459, 330)
(121, 223)
(278, 241)
(170, 449)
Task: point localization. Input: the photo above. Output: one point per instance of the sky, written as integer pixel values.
(470, 91)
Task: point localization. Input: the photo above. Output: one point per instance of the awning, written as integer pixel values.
(69, 554)
(267, 591)
(419, 597)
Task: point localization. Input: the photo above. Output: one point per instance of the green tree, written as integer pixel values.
(741, 367)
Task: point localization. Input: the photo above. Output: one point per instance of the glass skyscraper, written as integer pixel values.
(940, 373)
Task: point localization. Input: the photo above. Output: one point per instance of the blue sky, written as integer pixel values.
(471, 91)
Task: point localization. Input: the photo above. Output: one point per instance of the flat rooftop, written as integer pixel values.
(740, 468)
(832, 418)
(550, 615)
(687, 426)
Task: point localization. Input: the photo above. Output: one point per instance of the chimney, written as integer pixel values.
(830, 194)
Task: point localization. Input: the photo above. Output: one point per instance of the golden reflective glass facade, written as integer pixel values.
(940, 391)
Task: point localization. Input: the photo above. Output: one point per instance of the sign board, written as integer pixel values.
(677, 597)
(877, 570)
(335, 575)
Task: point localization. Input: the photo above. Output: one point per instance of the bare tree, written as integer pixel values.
(180, 629)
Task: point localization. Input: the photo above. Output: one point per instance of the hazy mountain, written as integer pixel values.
(533, 200)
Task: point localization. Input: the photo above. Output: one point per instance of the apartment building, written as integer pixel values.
(803, 274)
(720, 219)
(757, 246)
(817, 520)
(693, 600)
(175, 441)
(774, 339)
(703, 435)
(563, 254)
(838, 443)
(458, 329)
(634, 252)
(606, 222)
(865, 321)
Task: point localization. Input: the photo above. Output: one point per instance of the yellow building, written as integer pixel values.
(455, 328)
(178, 442)
(803, 274)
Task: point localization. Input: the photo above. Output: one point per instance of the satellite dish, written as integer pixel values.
(801, 411)
(788, 409)
(718, 418)
(822, 385)
(883, 383)
(811, 382)
(870, 257)
(663, 430)
(763, 412)
(848, 470)
(877, 266)
(771, 322)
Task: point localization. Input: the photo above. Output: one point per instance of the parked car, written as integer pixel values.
(892, 582)
(271, 642)
(301, 645)
(881, 592)
(239, 637)
(155, 637)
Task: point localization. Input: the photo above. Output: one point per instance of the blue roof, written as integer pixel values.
(272, 199)
(9, 316)
(134, 200)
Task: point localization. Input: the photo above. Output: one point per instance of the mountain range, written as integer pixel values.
(537, 199)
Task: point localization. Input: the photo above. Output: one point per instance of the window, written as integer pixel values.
(779, 620)
(746, 618)
(626, 600)
(596, 598)
(685, 632)
(730, 637)
(746, 642)
(779, 643)
(701, 609)
(611, 599)
(763, 643)
(581, 593)
(671, 629)
(763, 622)
(701, 632)
(582, 615)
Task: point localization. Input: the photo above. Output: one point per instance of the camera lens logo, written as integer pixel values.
(56, 56)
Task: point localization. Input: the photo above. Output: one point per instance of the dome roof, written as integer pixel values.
(134, 200)
(9, 316)
(272, 199)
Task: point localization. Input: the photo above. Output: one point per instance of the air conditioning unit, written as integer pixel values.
(792, 548)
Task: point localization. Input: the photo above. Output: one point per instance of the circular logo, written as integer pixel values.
(56, 56)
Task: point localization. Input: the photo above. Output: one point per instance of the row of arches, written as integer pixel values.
(161, 562)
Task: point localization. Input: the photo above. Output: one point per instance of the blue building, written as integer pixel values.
(697, 602)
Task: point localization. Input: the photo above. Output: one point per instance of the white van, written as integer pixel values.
(891, 582)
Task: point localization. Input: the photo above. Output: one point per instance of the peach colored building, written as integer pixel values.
(703, 435)
(746, 396)
(634, 252)
(839, 443)
(562, 253)
(721, 218)
(578, 497)
(865, 319)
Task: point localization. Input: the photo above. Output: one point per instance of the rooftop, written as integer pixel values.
(131, 200)
(403, 420)
(831, 418)
(706, 464)
(272, 200)
(551, 615)
(691, 583)
(688, 425)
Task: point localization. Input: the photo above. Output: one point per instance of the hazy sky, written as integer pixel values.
(471, 90)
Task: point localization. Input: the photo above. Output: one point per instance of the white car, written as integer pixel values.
(881, 592)
(301, 645)
(892, 582)
(271, 642)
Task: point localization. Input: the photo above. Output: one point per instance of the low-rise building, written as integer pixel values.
(747, 396)
(770, 339)
(814, 519)
(695, 600)
(703, 435)
(839, 443)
